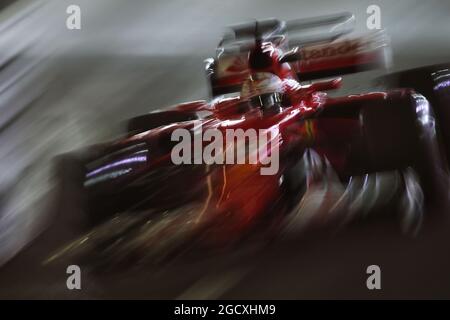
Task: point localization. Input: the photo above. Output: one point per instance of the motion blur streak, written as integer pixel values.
(62, 90)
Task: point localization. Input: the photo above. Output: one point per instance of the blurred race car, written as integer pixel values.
(340, 158)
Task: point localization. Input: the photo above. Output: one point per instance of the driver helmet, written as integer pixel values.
(264, 90)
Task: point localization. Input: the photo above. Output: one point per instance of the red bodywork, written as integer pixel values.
(233, 197)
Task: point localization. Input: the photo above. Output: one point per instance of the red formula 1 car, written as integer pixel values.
(324, 161)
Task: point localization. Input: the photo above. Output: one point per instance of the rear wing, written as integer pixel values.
(342, 57)
(312, 56)
(301, 31)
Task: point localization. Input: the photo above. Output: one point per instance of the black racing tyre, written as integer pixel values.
(401, 134)
(153, 120)
(433, 82)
